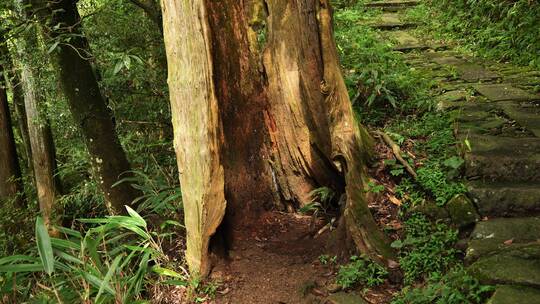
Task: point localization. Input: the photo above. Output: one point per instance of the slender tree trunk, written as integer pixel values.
(261, 122)
(40, 135)
(14, 85)
(87, 104)
(10, 174)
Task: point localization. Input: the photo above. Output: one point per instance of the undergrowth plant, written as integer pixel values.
(111, 262)
(500, 30)
(361, 271)
(454, 287)
(427, 248)
(375, 75)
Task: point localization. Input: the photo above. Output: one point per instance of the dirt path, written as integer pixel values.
(275, 263)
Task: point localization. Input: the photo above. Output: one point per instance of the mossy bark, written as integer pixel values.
(261, 116)
(86, 103)
(40, 135)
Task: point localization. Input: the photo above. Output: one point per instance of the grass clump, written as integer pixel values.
(427, 248)
(375, 75)
(361, 271)
(454, 287)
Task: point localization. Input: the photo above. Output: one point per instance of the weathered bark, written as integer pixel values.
(86, 103)
(258, 126)
(10, 173)
(40, 135)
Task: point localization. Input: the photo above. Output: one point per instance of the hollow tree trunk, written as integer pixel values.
(86, 103)
(40, 135)
(258, 125)
(10, 173)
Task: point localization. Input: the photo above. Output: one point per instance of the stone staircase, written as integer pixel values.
(498, 130)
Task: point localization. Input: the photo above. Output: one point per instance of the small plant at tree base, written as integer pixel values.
(455, 287)
(326, 259)
(426, 249)
(361, 271)
(374, 188)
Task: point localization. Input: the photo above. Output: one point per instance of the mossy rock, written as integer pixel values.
(461, 211)
(432, 211)
(520, 266)
(506, 294)
(505, 198)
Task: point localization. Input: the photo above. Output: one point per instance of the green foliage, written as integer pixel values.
(110, 262)
(321, 199)
(427, 248)
(160, 195)
(503, 30)
(361, 271)
(374, 188)
(434, 140)
(375, 75)
(433, 177)
(325, 259)
(454, 287)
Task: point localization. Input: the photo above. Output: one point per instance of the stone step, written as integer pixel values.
(390, 21)
(495, 158)
(506, 294)
(392, 5)
(516, 266)
(500, 234)
(504, 92)
(505, 199)
(404, 41)
(527, 114)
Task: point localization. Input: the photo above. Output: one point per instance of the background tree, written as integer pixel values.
(10, 173)
(39, 130)
(261, 113)
(86, 102)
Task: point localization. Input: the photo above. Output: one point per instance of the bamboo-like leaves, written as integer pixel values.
(44, 246)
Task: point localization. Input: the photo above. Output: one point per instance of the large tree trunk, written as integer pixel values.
(261, 124)
(86, 103)
(10, 173)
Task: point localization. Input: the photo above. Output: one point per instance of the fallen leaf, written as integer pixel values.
(509, 242)
(394, 200)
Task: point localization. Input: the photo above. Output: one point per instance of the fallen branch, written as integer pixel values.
(397, 152)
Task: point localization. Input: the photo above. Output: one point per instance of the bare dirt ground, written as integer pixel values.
(275, 263)
(276, 260)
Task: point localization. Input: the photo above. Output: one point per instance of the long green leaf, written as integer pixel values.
(17, 258)
(96, 282)
(108, 276)
(65, 244)
(21, 268)
(44, 246)
(167, 272)
(134, 215)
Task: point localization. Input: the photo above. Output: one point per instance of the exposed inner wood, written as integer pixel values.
(260, 124)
